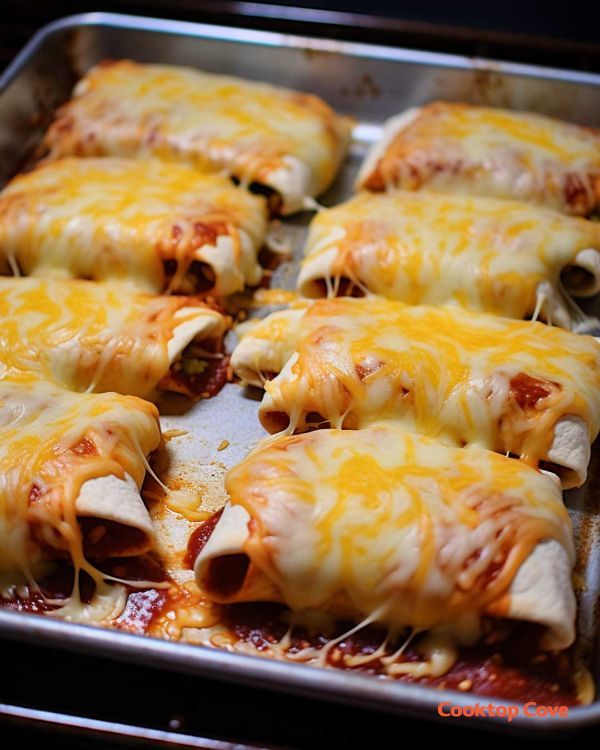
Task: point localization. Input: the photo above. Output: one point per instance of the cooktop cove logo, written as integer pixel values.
(531, 710)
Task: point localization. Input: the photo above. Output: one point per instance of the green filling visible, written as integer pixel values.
(194, 366)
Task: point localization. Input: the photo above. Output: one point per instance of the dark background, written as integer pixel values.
(565, 33)
(112, 691)
(560, 35)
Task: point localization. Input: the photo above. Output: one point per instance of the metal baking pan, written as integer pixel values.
(371, 83)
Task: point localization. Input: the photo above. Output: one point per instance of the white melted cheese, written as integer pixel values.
(480, 254)
(289, 141)
(442, 372)
(121, 220)
(107, 603)
(100, 337)
(66, 456)
(460, 148)
(264, 347)
(383, 525)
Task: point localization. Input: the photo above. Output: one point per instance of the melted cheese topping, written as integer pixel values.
(114, 219)
(390, 526)
(481, 254)
(51, 443)
(88, 336)
(463, 148)
(464, 378)
(290, 141)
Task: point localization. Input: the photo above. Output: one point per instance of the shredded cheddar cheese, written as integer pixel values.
(386, 525)
(88, 336)
(122, 220)
(289, 141)
(480, 254)
(461, 148)
(52, 444)
(463, 378)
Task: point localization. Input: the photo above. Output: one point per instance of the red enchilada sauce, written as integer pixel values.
(205, 384)
(507, 663)
(198, 376)
(144, 605)
(203, 368)
(513, 668)
(528, 391)
(199, 537)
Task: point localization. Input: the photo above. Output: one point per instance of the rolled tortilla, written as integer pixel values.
(542, 592)
(214, 122)
(159, 227)
(582, 278)
(335, 521)
(232, 264)
(265, 346)
(451, 147)
(507, 258)
(225, 553)
(71, 469)
(101, 337)
(392, 127)
(198, 323)
(117, 521)
(570, 450)
(515, 387)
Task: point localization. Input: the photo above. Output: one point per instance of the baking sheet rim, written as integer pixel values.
(331, 685)
(275, 39)
(364, 691)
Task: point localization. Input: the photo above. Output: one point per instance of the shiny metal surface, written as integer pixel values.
(370, 83)
(111, 730)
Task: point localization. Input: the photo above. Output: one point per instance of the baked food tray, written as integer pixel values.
(370, 83)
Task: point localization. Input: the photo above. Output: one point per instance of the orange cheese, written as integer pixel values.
(122, 220)
(101, 337)
(52, 443)
(385, 525)
(501, 257)
(464, 378)
(288, 141)
(462, 148)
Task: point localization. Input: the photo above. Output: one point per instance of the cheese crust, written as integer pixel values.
(98, 337)
(383, 525)
(502, 257)
(515, 387)
(158, 226)
(66, 457)
(462, 148)
(288, 141)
